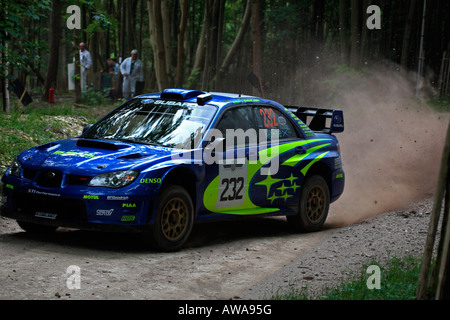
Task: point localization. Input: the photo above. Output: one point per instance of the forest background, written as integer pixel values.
(288, 51)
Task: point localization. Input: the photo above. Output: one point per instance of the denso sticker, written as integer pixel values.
(151, 180)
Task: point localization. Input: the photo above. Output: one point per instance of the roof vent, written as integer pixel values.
(180, 94)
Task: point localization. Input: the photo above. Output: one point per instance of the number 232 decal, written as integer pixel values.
(233, 189)
(269, 117)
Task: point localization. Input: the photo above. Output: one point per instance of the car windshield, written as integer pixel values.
(164, 123)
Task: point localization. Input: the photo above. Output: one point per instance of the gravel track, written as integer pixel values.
(253, 259)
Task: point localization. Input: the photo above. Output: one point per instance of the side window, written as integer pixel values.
(238, 118)
(271, 119)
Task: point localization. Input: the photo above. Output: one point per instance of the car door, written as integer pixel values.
(236, 126)
(249, 178)
(277, 184)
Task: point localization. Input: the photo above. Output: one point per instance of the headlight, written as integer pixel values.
(116, 179)
(14, 168)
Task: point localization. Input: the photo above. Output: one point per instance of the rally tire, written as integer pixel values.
(314, 204)
(174, 219)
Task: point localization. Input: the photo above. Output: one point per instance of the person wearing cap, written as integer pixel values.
(132, 70)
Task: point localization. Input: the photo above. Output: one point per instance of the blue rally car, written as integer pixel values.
(161, 162)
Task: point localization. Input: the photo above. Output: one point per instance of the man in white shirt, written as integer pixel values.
(86, 64)
(132, 70)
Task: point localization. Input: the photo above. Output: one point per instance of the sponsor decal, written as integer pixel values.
(128, 205)
(151, 180)
(90, 197)
(175, 103)
(75, 154)
(104, 212)
(121, 198)
(46, 215)
(127, 218)
(34, 191)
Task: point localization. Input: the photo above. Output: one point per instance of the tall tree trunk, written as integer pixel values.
(122, 37)
(214, 29)
(180, 48)
(77, 73)
(236, 43)
(166, 21)
(219, 48)
(318, 13)
(407, 33)
(130, 29)
(356, 34)
(208, 44)
(343, 7)
(54, 38)
(4, 61)
(156, 34)
(257, 45)
(364, 43)
(199, 59)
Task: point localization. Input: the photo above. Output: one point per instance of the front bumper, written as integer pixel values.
(82, 225)
(77, 207)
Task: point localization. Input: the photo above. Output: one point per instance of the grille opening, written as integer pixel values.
(49, 179)
(29, 204)
(29, 173)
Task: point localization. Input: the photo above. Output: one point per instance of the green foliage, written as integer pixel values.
(36, 125)
(399, 281)
(16, 15)
(100, 22)
(442, 105)
(94, 98)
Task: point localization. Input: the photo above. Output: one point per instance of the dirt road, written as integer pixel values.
(249, 260)
(220, 261)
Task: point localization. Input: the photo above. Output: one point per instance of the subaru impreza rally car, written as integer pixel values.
(161, 162)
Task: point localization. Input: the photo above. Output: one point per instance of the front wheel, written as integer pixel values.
(174, 219)
(313, 207)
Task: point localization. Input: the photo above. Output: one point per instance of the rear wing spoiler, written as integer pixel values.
(320, 120)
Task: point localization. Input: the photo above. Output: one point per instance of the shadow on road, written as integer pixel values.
(204, 235)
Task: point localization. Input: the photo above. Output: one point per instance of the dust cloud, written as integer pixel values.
(391, 147)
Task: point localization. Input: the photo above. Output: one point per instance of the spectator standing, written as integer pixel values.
(132, 70)
(86, 64)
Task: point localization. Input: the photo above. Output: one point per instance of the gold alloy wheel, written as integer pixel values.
(315, 203)
(174, 220)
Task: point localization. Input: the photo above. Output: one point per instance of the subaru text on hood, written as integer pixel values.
(161, 162)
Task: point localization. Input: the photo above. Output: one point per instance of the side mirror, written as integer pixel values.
(337, 121)
(86, 128)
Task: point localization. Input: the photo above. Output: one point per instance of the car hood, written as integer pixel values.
(89, 156)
